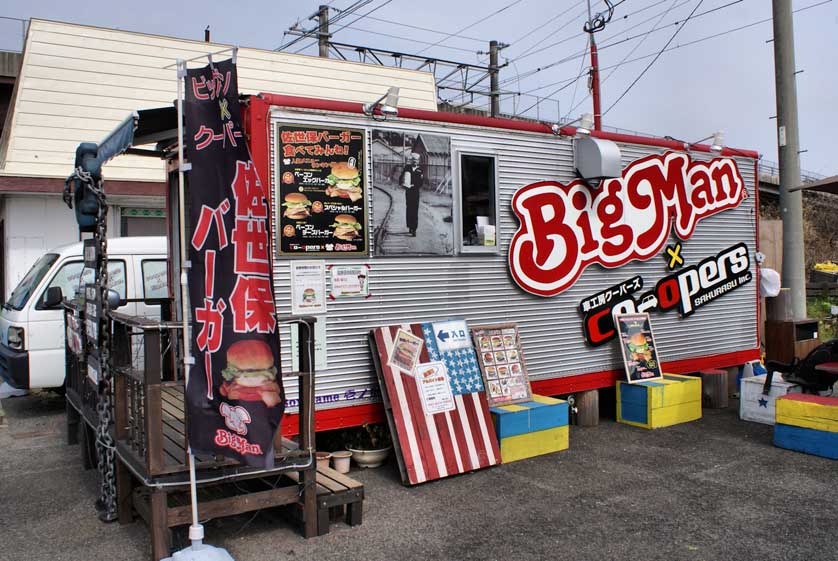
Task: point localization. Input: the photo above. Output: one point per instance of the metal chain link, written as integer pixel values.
(104, 440)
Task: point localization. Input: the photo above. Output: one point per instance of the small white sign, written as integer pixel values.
(451, 335)
(93, 371)
(781, 135)
(308, 287)
(320, 355)
(434, 388)
(349, 280)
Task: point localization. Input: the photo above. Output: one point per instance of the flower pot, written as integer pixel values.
(340, 460)
(370, 458)
(322, 459)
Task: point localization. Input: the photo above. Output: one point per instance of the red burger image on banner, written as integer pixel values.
(565, 228)
(250, 374)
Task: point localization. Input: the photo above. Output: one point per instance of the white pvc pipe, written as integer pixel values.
(196, 530)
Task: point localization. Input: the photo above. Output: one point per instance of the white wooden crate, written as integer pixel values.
(757, 407)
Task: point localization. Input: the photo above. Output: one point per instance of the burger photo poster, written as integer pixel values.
(321, 190)
(234, 396)
(637, 344)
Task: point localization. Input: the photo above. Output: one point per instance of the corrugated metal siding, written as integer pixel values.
(77, 83)
(480, 289)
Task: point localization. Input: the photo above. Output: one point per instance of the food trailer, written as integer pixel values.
(512, 224)
(386, 216)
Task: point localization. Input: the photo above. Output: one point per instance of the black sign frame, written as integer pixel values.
(282, 187)
(634, 365)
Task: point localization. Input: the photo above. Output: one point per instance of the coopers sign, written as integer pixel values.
(565, 228)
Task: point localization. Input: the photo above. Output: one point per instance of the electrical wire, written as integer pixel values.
(631, 52)
(607, 45)
(370, 31)
(333, 31)
(481, 20)
(552, 32)
(575, 82)
(344, 13)
(656, 57)
(532, 51)
(699, 40)
(426, 29)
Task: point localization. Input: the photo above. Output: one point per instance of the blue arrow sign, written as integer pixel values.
(442, 335)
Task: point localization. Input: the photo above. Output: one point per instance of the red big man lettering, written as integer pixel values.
(565, 228)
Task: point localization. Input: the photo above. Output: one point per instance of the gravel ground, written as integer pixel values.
(711, 489)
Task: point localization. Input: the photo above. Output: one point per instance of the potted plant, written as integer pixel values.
(370, 445)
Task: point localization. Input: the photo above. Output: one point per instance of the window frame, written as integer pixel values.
(145, 260)
(458, 203)
(72, 261)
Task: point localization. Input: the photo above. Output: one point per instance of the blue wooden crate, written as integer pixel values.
(541, 413)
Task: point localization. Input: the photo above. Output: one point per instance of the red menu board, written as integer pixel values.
(321, 194)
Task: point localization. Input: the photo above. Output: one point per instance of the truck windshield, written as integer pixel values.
(20, 295)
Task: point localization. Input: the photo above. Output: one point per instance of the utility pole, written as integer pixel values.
(595, 95)
(323, 30)
(591, 28)
(788, 143)
(494, 94)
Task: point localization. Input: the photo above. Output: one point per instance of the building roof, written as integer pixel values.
(77, 83)
(434, 144)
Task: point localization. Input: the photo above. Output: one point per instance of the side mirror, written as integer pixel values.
(53, 297)
(113, 299)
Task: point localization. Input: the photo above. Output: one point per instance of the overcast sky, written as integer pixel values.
(723, 83)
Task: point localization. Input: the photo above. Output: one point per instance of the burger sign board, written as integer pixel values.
(321, 186)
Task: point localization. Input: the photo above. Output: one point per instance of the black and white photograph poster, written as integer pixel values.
(412, 193)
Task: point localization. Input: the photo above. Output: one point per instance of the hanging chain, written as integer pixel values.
(104, 440)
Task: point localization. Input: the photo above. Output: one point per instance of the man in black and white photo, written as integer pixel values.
(412, 195)
(412, 180)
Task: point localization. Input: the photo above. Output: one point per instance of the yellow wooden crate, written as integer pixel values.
(808, 411)
(659, 403)
(528, 445)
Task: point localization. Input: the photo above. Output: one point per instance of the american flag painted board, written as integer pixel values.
(432, 446)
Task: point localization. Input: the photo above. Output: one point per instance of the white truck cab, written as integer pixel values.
(32, 334)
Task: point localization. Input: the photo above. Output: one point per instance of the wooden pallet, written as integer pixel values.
(335, 492)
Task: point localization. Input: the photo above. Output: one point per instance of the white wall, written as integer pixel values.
(33, 225)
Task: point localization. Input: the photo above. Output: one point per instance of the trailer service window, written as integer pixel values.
(478, 202)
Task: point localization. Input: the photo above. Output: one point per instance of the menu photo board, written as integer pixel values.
(321, 191)
(502, 363)
(637, 343)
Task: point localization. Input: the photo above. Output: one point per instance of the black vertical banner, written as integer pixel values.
(235, 397)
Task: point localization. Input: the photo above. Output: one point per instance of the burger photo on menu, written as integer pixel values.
(250, 374)
(346, 227)
(308, 295)
(296, 206)
(344, 182)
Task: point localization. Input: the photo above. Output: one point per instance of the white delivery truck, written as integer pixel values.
(32, 324)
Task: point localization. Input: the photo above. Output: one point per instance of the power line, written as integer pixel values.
(701, 40)
(575, 81)
(356, 5)
(648, 66)
(484, 18)
(427, 29)
(631, 52)
(583, 53)
(370, 31)
(549, 21)
(362, 16)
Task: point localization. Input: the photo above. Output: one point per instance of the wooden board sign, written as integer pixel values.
(637, 344)
(437, 431)
(501, 360)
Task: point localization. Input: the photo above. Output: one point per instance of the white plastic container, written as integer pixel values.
(340, 460)
(758, 407)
